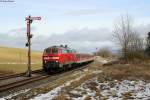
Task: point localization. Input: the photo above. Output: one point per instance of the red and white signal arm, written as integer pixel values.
(36, 18)
(33, 18)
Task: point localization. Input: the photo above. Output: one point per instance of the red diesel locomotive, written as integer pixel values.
(60, 57)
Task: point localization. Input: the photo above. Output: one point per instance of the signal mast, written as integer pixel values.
(29, 20)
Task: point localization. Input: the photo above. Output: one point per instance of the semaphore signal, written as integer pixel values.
(29, 20)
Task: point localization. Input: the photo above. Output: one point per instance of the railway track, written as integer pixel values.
(3, 74)
(23, 82)
(4, 77)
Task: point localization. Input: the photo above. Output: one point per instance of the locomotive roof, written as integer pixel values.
(61, 47)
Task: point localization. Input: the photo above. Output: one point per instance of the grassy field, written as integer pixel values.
(15, 59)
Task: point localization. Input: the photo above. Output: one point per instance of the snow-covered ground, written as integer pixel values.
(9, 97)
(50, 95)
(112, 90)
(95, 89)
(55, 92)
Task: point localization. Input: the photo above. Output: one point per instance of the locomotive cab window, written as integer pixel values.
(48, 51)
(51, 50)
(54, 50)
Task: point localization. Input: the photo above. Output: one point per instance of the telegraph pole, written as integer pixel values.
(29, 20)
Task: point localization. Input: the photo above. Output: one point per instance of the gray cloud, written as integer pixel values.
(14, 37)
(143, 30)
(85, 34)
(83, 40)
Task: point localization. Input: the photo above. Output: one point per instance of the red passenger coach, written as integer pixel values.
(60, 57)
(83, 58)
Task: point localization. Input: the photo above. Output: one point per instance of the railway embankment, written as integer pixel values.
(99, 80)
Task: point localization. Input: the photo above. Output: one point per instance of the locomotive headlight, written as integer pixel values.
(55, 57)
(47, 58)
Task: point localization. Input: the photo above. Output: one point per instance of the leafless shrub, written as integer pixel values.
(147, 50)
(104, 52)
(135, 48)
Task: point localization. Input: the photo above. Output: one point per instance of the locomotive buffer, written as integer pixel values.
(29, 20)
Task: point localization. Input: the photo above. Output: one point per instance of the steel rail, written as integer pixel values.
(21, 82)
(16, 84)
(16, 75)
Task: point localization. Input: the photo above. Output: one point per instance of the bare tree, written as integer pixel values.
(127, 37)
(122, 33)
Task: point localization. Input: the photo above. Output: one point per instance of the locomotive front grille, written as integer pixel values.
(52, 64)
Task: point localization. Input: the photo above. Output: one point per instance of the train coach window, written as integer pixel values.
(69, 51)
(73, 51)
(78, 55)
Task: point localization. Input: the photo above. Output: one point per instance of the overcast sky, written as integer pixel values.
(81, 24)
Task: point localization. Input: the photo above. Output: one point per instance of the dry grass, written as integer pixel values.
(61, 97)
(88, 98)
(18, 56)
(128, 71)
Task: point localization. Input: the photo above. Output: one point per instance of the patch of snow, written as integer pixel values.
(97, 72)
(85, 70)
(113, 90)
(101, 60)
(55, 92)
(14, 94)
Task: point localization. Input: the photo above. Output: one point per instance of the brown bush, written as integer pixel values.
(104, 52)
